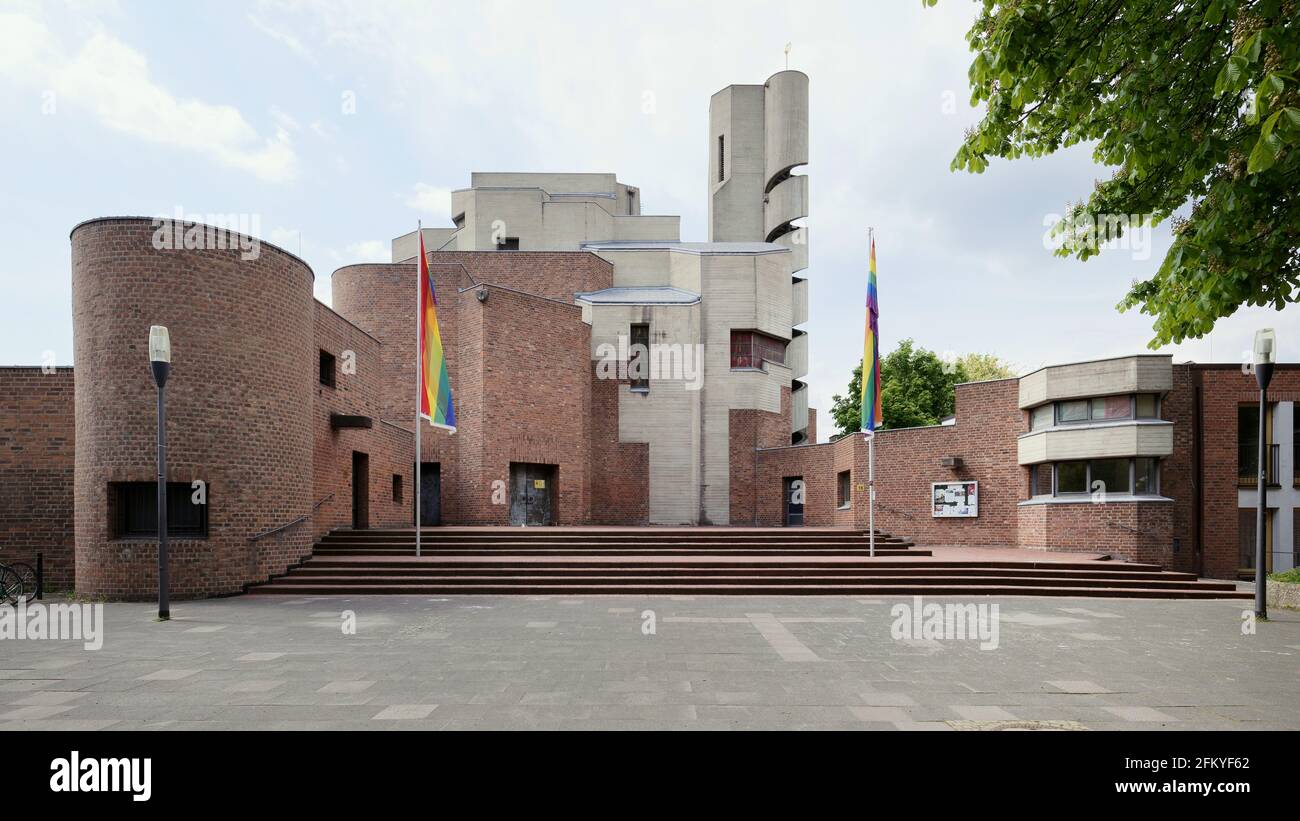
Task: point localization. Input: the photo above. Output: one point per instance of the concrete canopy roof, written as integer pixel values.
(649, 295)
(701, 248)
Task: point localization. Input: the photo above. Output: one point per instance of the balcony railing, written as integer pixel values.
(1248, 465)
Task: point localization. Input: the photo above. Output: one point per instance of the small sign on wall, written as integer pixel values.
(539, 484)
(954, 500)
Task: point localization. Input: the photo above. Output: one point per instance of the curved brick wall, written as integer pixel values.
(239, 404)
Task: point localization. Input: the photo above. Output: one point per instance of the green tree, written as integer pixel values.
(981, 366)
(916, 388)
(1192, 102)
(847, 410)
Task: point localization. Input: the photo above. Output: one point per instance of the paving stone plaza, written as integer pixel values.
(634, 662)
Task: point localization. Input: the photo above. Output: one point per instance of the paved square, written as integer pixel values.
(701, 662)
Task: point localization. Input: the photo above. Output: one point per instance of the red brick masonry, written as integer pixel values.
(249, 416)
(36, 470)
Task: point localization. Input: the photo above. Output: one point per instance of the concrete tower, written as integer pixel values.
(758, 135)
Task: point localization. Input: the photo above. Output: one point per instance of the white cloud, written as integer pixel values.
(288, 40)
(370, 250)
(284, 119)
(431, 200)
(113, 82)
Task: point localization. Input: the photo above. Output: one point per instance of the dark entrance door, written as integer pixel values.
(430, 494)
(532, 493)
(360, 490)
(793, 491)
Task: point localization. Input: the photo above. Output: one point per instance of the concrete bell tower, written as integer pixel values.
(758, 135)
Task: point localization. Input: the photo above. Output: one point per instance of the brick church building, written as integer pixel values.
(604, 372)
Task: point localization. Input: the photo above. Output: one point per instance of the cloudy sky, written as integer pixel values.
(335, 125)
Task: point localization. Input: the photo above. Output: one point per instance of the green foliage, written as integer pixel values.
(1192, 102)
(981, 366)
(1291, 576)
(916, 388)
(846, 410)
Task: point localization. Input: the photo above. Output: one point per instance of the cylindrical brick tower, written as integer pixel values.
(239, 403)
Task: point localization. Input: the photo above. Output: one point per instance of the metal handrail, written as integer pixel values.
(296, 521)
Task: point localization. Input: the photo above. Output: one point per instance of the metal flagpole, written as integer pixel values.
(871, 489)
(419, 356)
(871, 434)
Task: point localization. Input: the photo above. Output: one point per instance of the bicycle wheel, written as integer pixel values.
(11, 586)
(27, 575)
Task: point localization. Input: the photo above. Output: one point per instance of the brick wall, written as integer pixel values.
(1178, 471)
(818, 466)
(533, 403)
(620, 471)
(390, 448)
(908, 460)
(380, 299)
(984, 436)
(37, 431)
(1223, 389)
(239, 404)
(248, 416)
(750, 431)
(520, 368)
(1136, 531)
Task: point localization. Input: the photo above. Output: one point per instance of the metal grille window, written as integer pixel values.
(638, 361)
(750, 349)
(1248, 447)
(327, 369)
(134, 510)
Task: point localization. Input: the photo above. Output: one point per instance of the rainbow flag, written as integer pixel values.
(870, 405)
(435, 388)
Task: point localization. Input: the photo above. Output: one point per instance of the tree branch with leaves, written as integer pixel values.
(1194, 103)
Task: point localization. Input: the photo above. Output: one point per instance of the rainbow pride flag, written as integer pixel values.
(870, 406)
(435, 388)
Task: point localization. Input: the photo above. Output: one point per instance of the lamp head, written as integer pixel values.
(1265, 356)
(160, 346)
(160, 355)
(1265, 346)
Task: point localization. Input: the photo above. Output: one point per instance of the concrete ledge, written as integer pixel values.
(1085, 499)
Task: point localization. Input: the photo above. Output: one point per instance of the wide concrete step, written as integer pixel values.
(789, 536)
(655, 531)
(746, 589)
(576, 541)
(653, 561)
(624, 552)
(325, 568)
(368, 580)
(908, 560)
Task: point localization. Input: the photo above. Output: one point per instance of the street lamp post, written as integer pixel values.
(160, 358)
(1265, 357)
